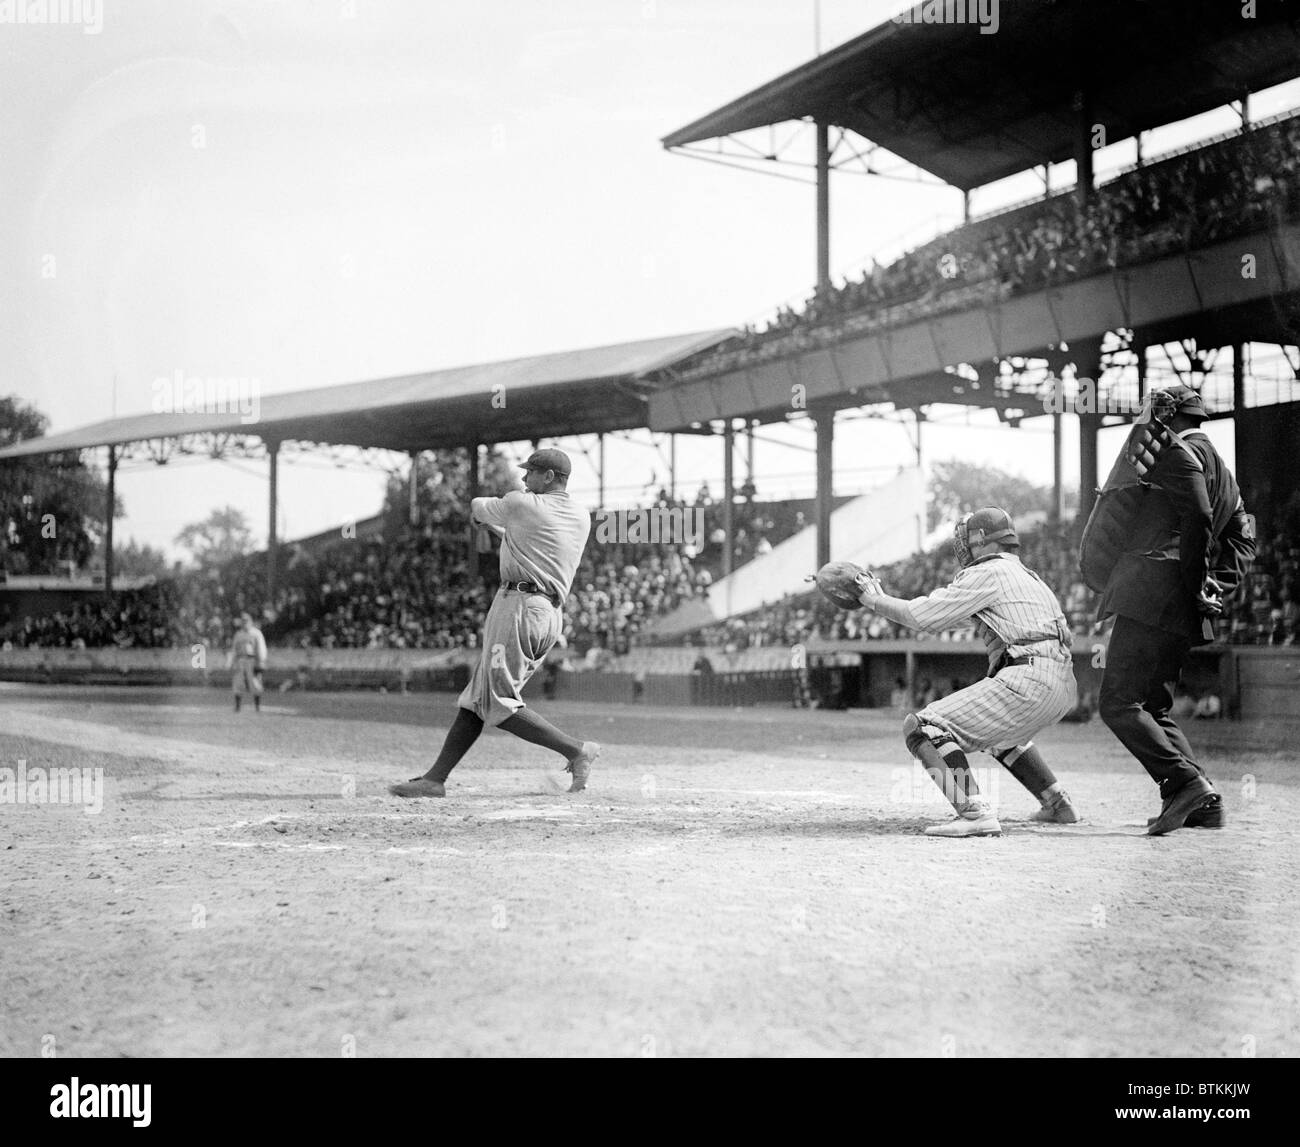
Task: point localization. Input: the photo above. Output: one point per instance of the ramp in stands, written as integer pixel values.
(880, 527)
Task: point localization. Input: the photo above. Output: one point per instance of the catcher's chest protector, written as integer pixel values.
(1118, 508)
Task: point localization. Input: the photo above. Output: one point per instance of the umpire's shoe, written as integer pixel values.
(976, 820)
(1208, 814)
(1057, 809)
(419, 787)
(580, 766)
(1179, 806)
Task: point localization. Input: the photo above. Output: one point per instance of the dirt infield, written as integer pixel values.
(733, 883)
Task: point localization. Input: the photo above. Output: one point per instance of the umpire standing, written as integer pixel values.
(1179, 542)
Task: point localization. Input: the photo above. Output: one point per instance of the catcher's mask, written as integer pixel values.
(980, 526)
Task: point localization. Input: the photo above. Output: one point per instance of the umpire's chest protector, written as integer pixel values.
(1125, 504)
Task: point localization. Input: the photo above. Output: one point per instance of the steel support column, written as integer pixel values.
(472, 452)
(1058, 472)
(1087, 364)
(825, 483)
(413, 486)
(108, 520)
(1083, 150)
(1238, 400)
(273, 460)
(749, 461)
(728, 497)
(823, 207)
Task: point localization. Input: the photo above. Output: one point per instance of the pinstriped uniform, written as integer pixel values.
(1017, 615)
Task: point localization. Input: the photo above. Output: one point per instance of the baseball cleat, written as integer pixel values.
(1057, 809)
(580, 766)
(419, 787)
(976, 821)
(1208, 814)
(1178, 807)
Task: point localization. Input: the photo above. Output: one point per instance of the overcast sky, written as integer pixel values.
(313, 193)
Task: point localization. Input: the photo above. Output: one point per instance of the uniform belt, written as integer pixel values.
(1004, 662)
(530, 587)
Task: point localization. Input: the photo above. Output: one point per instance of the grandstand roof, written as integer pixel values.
(544, 396)
(972, 108)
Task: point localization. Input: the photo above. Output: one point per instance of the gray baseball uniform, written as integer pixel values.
(247, 653)
(545, 535)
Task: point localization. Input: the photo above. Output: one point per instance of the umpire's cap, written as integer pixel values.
(1185, 401)
(549, 459)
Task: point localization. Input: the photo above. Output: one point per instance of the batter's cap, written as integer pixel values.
(1186, 401)
(549, 459)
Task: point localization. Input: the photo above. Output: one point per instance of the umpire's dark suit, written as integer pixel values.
(1191, 526)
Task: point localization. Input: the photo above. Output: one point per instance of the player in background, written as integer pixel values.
(1030, 683)
(543, 533)
(1167, 543)
(248, 658)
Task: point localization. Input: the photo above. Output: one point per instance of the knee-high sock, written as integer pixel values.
(527, 725)
(1026, 764)
(463, 733)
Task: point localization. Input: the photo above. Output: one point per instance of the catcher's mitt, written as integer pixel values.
(843, 583)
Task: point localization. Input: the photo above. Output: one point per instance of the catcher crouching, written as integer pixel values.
(1030, 683)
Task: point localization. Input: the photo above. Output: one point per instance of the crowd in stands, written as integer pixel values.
(1266, 609)
(1231, 187)
(419, 591)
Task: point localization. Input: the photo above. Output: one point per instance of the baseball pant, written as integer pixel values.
(1143, 665)
(244, 679)
(519, 631)
(1007, 710)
